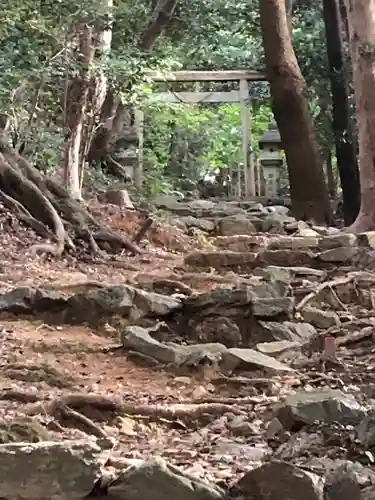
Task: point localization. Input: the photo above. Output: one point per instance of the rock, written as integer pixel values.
(342, 484)
(218, 260)
(33, 471)
(249, 359)
(170, 202)
(308, 233)
(286, 258)
(235, 224)
(367, 239)
(278, 280)
(138, 339)
(93, 305)
(203, 224)
(366, 430)
(119, 197)
(275, 223)
(242, 242)
(287, 331)
(320, 318)
(326, 231)
(296, 226)
(195, 354)
(318, 406)
(273, 307)
(339, 254)
(293, 243)
(277, 209)
(156, 479)
(277, 480)
(278, 347)
(217, 329)
(206, 205)
(338, 240)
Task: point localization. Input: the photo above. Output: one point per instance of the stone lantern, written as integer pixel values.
(270, 159)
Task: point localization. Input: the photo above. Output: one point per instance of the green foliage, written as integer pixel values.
(182, 142)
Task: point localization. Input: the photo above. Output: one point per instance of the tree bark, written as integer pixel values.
(309, 192)
(75, 113)
(115, 116)
(361, 21)
(342, 127)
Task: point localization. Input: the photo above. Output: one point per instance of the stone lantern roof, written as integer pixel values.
(271, 137)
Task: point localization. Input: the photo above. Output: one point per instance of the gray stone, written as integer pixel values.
(138, 339)
(273, 307)
(49, 470)
(320, 318)
(367, 239)
(287, 330)
(275, 223)
(318, 406)
(293, 243)
(203, 224)
(277, 209)
(156, 479)
(286, 258)
(366, 429)
(219, 260)
(338, 240)
(339, 254)
(342, 483)
(235, 224)
(277, 480)
(274, 349)
(250, 359)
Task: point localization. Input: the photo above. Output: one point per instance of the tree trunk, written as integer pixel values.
(75, 112)
(115, 116)
(84, 100)
(309, 192)
(342, 127)
(361, 21)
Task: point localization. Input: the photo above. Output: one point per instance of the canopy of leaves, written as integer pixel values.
(203, 34)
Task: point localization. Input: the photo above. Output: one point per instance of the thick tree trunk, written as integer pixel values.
(361, 21)
(308, 188)
(344, 138)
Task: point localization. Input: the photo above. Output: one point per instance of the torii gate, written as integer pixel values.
(240, 96)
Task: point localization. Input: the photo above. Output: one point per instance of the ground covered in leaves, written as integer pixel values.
(241, 341)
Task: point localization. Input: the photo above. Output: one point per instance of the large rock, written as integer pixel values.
(293, 243)
(338, 240)
(48, 470)
(155, 479)
(320, 318)
(277, 480)
(250, 359)
(235, 224)
(91, 305)
(203, 224)
(139, 340)
(286, 258)
(242, 242)
(342, 483)
(287, 331)
(219, 260)
(339, 254)
(319, 406)
(281, 307)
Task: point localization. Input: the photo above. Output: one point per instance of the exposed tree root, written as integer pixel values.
(46, 206)
(93, 403)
